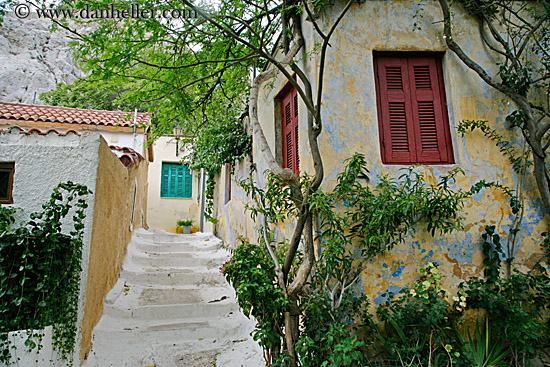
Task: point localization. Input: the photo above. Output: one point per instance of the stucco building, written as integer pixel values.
(174, 189)
(38, 151)
(395, 93)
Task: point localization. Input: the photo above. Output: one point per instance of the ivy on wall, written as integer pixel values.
(40, 271)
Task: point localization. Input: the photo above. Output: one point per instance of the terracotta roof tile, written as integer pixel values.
(127, 156)
(19, 111)
(36, 130)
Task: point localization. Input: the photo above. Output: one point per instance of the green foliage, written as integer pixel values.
(6, 217)
(484, 349)
(492, 249)
(358, 221)
(481, 7)
(91, 93)
(185, 222)
(185, 71)
(421, 322)
(376, 219)
(40, 271)
(517, 307)
(253, 277)
(215, 144)
(335, 347)
(418, 320)
(327, 338)
(519, 160)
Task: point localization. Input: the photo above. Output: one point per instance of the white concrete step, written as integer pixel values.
(181, 330)
(174, 277)
(199, 353)
(168, 247)
(161, 236)
(166, 312)
(210, 260)
(171, 307)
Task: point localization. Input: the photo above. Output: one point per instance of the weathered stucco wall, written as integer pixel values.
(233, 220)
(41, 163)
(163, 213)
(120, 207)
(351, 125)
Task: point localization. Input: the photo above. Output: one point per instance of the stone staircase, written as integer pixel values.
(171, 307)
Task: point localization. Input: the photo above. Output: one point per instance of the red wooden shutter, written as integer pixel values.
(413, 120)
(429, 118)
(395, 110)
(290, 130)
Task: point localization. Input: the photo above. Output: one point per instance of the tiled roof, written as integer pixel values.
(38, 131)
(27, 112)
(127, 156)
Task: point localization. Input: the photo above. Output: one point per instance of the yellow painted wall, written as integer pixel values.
(163, 213)
(351, 125)
(111, 232)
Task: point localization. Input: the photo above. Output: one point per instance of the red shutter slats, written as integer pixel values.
(395, 109)
(413, 121)
(291, 158)
(398, 127)
(427, 111)
(289, 150)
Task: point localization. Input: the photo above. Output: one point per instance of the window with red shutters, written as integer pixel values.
(289, 103)
(414, 126)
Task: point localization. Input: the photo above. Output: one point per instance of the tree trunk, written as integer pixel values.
(292, 320)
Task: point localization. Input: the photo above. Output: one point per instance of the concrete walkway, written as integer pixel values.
(171, 307)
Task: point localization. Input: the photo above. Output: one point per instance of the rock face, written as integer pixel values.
(33, 59)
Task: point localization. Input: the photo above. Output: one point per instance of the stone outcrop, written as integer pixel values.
(33, 59)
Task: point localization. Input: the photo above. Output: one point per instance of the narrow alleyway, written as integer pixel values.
(171, 307)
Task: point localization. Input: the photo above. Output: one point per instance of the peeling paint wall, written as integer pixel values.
(233, 219)
(351, 125)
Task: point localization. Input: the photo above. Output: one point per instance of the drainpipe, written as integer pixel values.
(201, 214)
(135, 123)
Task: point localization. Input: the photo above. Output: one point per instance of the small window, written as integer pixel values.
(176, 181)
(412, 111)
(289, 106)
(6, 182)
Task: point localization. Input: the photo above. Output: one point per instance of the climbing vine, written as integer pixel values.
(356, 222)
(40, 268)
(218, 143)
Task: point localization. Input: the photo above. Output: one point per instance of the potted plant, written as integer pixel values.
(185, 226)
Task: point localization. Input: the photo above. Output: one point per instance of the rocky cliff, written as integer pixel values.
(33, 59)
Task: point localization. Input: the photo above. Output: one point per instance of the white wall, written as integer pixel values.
(41, 163)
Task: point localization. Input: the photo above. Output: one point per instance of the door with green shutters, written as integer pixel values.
(176, 181)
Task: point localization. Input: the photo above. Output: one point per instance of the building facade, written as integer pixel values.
(395, 93)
